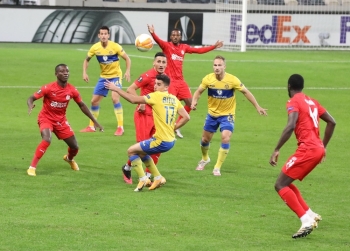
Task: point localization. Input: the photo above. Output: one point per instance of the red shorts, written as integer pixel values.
(144, 126)
(180, 89)
(62, 129)
(302, 162)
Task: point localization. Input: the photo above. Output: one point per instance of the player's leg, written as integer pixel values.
(184, 93)
(46, 136)
(135, 154)
(65, 132)
(99, 93)
(210, 127)
(226, 128)
(118, 108)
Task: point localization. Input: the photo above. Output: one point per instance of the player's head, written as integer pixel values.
(162, 83)
(175, 36)
(219, 65)
(295, 84)
(160, 62)
(62, 73)
(103, 34)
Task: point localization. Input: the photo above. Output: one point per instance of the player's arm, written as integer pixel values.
(134, 99)
(287, 132)
(30, 103)
(132, 90)
(205, 49)
(185, 117)
(196, 97)
(85, 66)
(328, 132)
(128, 66)
(87, 112)
(252, 100)
(159, 41)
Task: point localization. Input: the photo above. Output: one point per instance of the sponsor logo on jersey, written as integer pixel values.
(176, 57)
(290, 108)
(58, 104)
(67, 97)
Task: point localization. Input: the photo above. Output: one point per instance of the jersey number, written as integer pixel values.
(313, 113)
(170, 112)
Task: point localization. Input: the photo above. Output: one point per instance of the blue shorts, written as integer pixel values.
(225, 122)
(100, 86)
(153, 145)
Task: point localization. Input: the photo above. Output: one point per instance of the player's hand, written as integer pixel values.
(86, 77)
(141, 108)
(194, 106)
(219, 44)
(110, 85)
(30, 109)
(98, 126)
(274, 158)
(150, 28)
(262, 111)
(127, 76)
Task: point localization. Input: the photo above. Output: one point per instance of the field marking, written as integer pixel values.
(250, 61)
(194, 88)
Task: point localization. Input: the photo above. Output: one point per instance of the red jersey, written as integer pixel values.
(307, 129)
(175, 55)
(56, 99)
(146, 84)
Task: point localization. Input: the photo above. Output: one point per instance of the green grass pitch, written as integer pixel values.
(93, 209)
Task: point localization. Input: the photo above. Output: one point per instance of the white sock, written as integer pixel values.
(158, 177)
(311, 213)
(127, 167)
(306, 220)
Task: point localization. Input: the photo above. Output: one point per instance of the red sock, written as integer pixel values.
(72, 153)
(155, 157)
(129, 162)
(300, 198)
(289, 197)
(39, 152)
(188, 110)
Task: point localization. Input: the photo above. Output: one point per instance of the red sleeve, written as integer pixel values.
(200, 50)
(76, 95)
(159, 41)
(142, 80)
(292, 106)
(40, 93)
(320, 109)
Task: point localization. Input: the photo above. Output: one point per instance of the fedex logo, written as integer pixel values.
(275, 33)
(344, 28)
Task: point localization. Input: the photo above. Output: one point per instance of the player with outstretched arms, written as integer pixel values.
(175, 52)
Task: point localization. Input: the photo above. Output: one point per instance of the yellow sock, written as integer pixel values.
(137, 166)
(118, 111)
(221, 157)
(95, 111)
(205, 151)
(149, 163)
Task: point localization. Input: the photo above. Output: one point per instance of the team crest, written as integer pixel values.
(219, 92)
(67, 97)
(226, 86)
(105, 58)
(111, 53)
(139, 80)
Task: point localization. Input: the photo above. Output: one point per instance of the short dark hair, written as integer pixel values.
(58, 66)
(164, 78)
(176, 29)
(159, 54)
(104, 28)
(296, 82)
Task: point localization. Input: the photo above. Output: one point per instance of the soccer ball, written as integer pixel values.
(144, 42)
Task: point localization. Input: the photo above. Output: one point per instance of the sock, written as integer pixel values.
(205, 150)
(155, 158)
(39, 152)
(136, 164)
(311, 213)
(188, 110)
(72, 153)
(127, 167)
(118, 111)
(300, 198)
(129, 162)
(95, 111)
(150, 164)
(289, 197)
(306, 220)
(223, 151)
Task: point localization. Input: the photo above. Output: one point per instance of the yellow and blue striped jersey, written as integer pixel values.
(108, 58)
(221, 94)
(164, 109)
